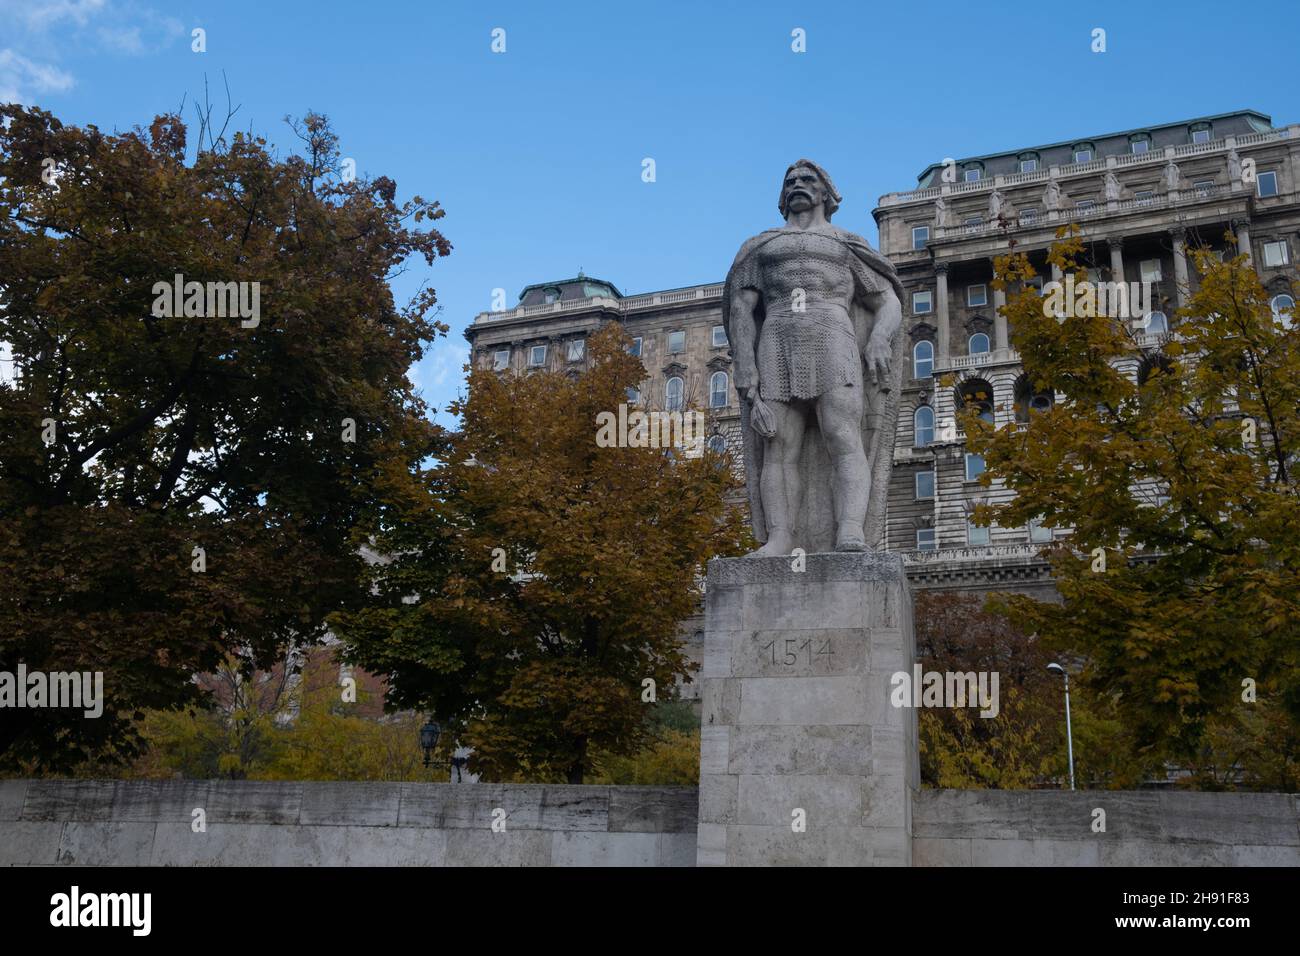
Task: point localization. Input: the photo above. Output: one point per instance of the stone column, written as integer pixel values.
(804, 760)
(941, 311)
(1181, 281)
(1116, 244)
(1000, 339)
(1243, 236)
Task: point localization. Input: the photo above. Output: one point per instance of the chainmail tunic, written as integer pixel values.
(802, 354)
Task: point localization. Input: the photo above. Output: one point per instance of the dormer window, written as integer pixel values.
(1200, 133)
(1083, 152)
(1028, 162)
(1139, 143)
(973, 172)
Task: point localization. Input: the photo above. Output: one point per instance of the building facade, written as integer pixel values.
(1141, 199)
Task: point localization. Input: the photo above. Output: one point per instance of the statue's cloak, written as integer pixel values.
(814, 525)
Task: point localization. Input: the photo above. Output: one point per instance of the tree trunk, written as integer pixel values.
(577, 768)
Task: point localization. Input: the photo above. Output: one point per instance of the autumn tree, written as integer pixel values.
(1024, 744)
(1174, 467)
(533, 587)
(175, 485)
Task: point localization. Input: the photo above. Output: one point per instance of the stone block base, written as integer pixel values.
(803, 761)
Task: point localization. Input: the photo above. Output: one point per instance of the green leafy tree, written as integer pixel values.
(130, 439)
(536, 580)
(1174, 468)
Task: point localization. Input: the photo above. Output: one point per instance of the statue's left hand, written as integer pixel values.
(878, 355)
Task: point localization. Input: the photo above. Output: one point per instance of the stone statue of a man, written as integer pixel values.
(814, 316)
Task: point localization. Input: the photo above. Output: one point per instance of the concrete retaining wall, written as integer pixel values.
(1143, 828)
(106, 823)
(149, 823)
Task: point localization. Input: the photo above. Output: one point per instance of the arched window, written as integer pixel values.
(717, 444)
(718, 390)
(1152, 367)
(675, 393)
(1028, 401)
(922, 359)
(978, 344)
(1157, 323)
(979, 393)
(922, 426)
(1283, 307)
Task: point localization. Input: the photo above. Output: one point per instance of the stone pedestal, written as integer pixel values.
(797, 724)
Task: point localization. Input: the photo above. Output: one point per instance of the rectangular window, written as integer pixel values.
(676, 342)
(977, 294)
(1204, 187)
(1144, 195)
(1151, 270)
(1266, 184)
(635, 347)
(1200, 136)
(500, 360)
(920, 236)
(924, 485)
(633, 395)
(1028, 215)
(1028, 165)
(1084, 204)
(1037, 533)
(719, 337)
(537, 355)
(975, 535)
(1275, 253)
(925, 539)
(577, 349)
(922, 302)
(973, 221)
(1083, 155)
(1140, 145)
(974, 466)
(972, 175)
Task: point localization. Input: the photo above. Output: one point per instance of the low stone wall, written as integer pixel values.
(151, 823)
(1143, 828)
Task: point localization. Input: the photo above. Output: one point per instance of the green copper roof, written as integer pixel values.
(579, 278)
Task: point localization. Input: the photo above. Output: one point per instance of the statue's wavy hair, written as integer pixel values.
(833, 197)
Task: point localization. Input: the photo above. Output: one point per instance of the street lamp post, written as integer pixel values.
(429, 735)
(1069, 732)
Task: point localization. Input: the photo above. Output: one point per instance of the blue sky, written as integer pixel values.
(536, 153)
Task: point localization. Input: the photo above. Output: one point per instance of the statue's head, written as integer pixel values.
(807, 186)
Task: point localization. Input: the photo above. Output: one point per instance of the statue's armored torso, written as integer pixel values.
(807, 343)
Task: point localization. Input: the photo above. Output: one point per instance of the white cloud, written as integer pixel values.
(442, 366)
(44, 29)
(21, 77)
(42, 14)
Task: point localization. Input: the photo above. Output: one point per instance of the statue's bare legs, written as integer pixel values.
(839, 414)
(779, 482)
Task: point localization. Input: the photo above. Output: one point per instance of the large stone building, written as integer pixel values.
(1140, 198)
